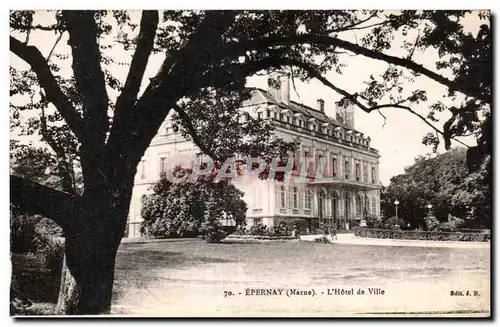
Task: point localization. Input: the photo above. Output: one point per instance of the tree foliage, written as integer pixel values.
(191, 206)
(444, 182)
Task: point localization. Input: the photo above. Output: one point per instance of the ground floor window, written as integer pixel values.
(359, 205)
(308, 199)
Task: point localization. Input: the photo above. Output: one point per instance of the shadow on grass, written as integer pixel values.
(137, 265)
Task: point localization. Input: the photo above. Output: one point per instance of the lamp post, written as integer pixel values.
(396, 203)
(429, 206)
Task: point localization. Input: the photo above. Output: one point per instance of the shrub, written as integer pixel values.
(422, 235)
(241, 230)
(23, 235)
(446, 227)
(280, 230)
(37, 252)
(258, 229)
(179, 209)
(373, 221)
(431, 222)
(391, 223)
(35, 234)
(212, 233)
(457, 222)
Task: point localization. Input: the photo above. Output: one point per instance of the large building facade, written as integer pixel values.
(341, 195)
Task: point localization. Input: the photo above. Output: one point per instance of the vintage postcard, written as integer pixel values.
(250, 163)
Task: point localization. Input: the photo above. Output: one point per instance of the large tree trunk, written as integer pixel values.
(90, 252)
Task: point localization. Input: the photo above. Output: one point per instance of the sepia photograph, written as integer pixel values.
(250, 163)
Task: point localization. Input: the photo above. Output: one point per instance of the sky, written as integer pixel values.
(398, 138)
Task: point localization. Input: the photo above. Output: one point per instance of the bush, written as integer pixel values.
(446, 227)
(422, 235)
(280, 230)
(391, 223)
(241, 230)
(431, 222)
(258, 229)
(35, 234)
(212, 233)
(373, 221)
(179, 209)
(37, 252)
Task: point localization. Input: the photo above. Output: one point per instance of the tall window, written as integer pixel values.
(163, 165)
(334, 167)
(335, 205)
(346, 169)
(282, 197)
(374, 179)
(321, 201)
(318, 164)
(346, 206)
(358, 172)
(365, 173)
(366, 205)
(374, 205)
(295, 197)
(359, 205)
(308, 199)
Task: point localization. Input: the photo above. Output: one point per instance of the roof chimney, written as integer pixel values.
(285, 89)
(282, 93)
(320, 105)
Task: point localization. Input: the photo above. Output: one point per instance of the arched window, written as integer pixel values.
(359, 205)
(366, 205)
(308, 202)
(282, 197)
(374, 205)
(295, 197)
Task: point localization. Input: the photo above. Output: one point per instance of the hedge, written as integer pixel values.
(235, 237)
(422, 235)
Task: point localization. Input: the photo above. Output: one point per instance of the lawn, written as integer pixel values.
(188, 278)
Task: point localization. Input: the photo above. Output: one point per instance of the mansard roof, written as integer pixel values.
(260, 96)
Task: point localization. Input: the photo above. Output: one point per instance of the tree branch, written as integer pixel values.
(64, 165)
(186, 120)
(355, 26)
(177, 77)
(83, 34)
(241, 46)
(145, 42)
(54, 47)
(35, 198)
(353, 98)
(53, 92)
